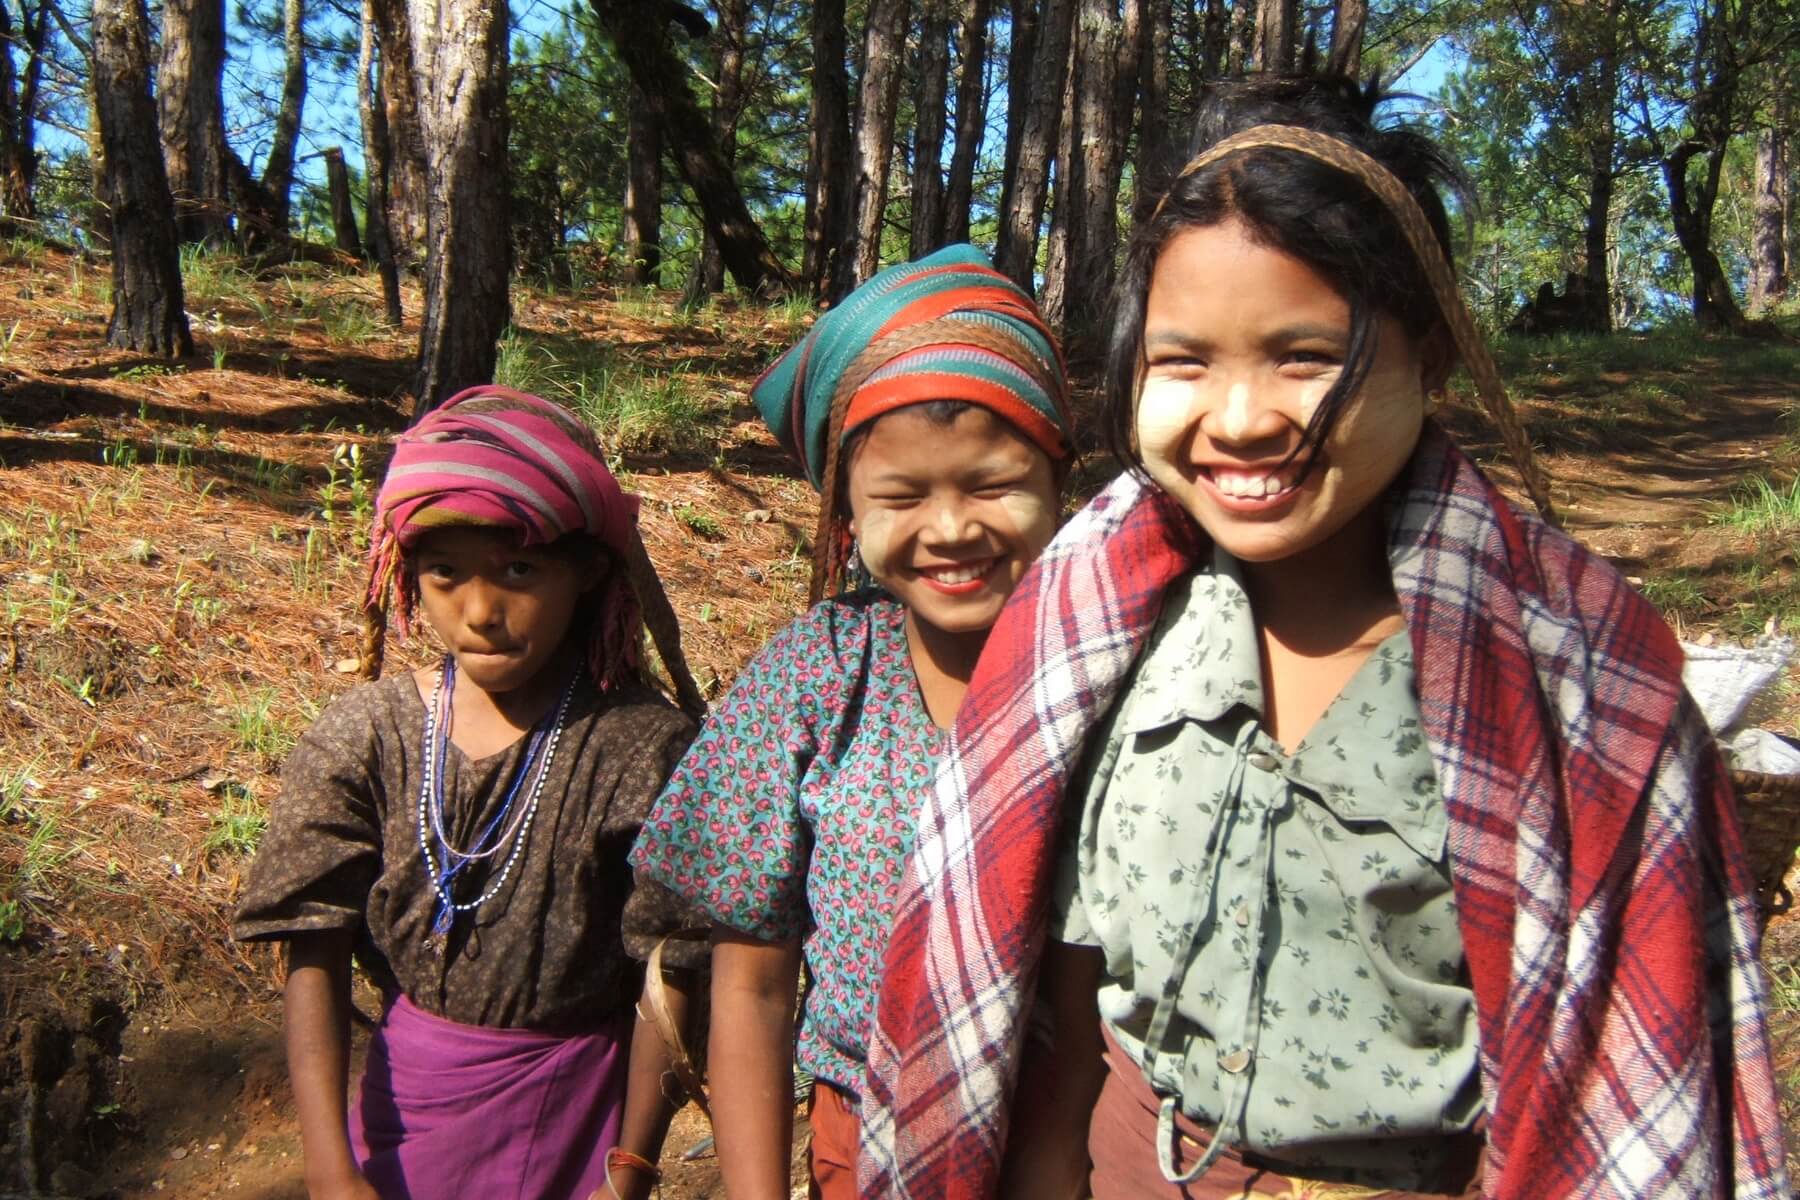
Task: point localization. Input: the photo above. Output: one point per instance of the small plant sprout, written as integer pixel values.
(700, 521)
(258, 728)
(237, 824)
(347, 482)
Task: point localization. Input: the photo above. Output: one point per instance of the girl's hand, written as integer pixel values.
(626, 1184)
(351, 1186)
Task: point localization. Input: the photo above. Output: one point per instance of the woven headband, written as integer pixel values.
(1404, 208)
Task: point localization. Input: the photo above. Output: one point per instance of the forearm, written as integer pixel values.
(651, 1087)
(750, 1060)
(1059, 1082)
(316, 1016)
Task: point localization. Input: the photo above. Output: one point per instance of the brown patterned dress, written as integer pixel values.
(559, 946)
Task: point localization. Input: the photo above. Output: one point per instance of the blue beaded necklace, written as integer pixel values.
(509, 828)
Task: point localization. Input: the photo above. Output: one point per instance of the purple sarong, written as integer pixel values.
(449, 1110)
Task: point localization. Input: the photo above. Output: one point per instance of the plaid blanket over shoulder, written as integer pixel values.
(1606, 912)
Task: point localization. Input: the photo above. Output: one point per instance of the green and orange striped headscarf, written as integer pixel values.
(947, 327)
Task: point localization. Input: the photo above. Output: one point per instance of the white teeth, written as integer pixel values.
(955, 575)
(1251, 486)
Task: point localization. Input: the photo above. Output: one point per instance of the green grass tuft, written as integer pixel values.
(630, 407)
(238, 824)
(1764, 508)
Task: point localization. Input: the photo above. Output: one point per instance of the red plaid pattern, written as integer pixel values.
(1606, 913)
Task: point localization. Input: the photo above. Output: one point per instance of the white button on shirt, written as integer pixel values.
(1282, 951)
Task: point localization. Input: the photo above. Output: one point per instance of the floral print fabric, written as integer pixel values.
(792, 815)
(1283, 954)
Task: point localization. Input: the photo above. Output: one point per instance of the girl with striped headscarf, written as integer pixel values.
(930, 410)
(462, 829)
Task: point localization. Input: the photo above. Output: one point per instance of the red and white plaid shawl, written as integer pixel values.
(1606, 911)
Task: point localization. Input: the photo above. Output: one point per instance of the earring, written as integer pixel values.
(1434, 400)
(853, 565)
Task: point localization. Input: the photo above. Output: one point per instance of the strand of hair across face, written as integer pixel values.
(1404, 208)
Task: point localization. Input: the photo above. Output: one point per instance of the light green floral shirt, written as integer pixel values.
(1282, 951)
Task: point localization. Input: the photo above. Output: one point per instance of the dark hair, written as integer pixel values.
(1328, 220)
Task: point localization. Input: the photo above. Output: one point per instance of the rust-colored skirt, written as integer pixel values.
(836, 1132)
(1122, 1147)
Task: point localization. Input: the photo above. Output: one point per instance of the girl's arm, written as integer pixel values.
(648, 1107)
(316, 1013)
(750, 1060)
(1059, 1083)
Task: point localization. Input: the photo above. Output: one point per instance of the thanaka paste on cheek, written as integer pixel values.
(875, 539)
(1163, 416)
(1310, 399)
(1033, 516)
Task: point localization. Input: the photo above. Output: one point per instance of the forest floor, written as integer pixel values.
(180, 559)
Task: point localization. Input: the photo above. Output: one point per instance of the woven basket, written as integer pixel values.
(1769, 810)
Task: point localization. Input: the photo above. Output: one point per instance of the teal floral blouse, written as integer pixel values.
(793, 813)
(1282, 953)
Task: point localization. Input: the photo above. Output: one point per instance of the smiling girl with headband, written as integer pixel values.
(930, 410)
(462, 829)
(1395, 859)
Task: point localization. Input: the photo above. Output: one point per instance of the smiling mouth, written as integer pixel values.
(1241, 484)
(957, 576)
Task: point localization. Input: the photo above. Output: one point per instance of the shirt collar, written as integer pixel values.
(1397, 786)
(1202, 658)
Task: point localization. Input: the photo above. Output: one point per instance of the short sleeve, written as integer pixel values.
(652, 912)
(727, 832)
(322, 851)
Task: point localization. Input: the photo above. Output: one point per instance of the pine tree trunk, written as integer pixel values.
(459, 60)
(640, 42)
(1015, 254)
(929, 121)
(1690, 211)
(188, 80)
(133, 184)
(407, 188)
(343, 213)
(1768, 222)
(884, 48)
(1019, 59)
(1240, 38)
(1277, 35)
(1063, 204)
(1105, 67)
(642, 231)
(376, 166)
(971, 119)
(1153, 149)
(1348, 17)
(828, 147)
(278, 172)
(18, 112)
(728, 102)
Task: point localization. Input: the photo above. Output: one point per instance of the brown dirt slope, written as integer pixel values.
(180, 562)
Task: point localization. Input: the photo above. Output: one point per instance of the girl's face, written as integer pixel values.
(503, 610)
(948, 517)
(1242, 341)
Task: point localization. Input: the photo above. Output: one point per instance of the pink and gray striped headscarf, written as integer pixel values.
(494, 458)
